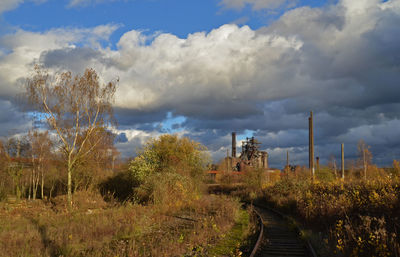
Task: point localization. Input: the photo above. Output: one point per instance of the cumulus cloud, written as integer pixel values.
(22, 49)
(342, 61)
(220, 68)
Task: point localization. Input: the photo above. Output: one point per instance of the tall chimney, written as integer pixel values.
(234, 144)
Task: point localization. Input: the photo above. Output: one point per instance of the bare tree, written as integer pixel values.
(365, 156)
(73, 107)
(16, 151)
(41, 145)
(98, 163)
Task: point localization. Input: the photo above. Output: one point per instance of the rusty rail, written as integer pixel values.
(259, 239)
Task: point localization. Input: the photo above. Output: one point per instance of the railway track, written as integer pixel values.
(276, 238)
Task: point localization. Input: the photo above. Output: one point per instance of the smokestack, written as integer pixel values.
(264, 159)
(287, 160)
(234, 144)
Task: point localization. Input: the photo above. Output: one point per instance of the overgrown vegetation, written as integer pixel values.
(164, 213)
(154, 205)
(156, 211)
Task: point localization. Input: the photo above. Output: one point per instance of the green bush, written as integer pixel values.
(168, 189)
(325, 174)
(170, 154)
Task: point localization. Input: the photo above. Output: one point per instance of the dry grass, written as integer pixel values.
(95, 228)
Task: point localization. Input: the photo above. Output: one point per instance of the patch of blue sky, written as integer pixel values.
(246, 134)
(172, 124)
(37, 115)
(38, 119)
(317, 3)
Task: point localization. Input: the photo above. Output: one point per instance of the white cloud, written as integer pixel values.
(135, 140)
(217, 65)
(25, 48)
(7, 5)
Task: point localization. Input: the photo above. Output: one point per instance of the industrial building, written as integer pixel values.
(250, 157)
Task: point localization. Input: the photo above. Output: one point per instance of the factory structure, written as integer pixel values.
(250, 157)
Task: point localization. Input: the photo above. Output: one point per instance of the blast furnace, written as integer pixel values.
(251, 156)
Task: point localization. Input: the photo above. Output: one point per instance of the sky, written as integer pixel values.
(204, 69)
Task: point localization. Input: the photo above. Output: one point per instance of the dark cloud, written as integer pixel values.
(73, 59)
(12, 120)
(133, 118)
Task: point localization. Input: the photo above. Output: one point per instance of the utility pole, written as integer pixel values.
(311, 145)
(342, 161)
(287, 162)
(287, 158)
